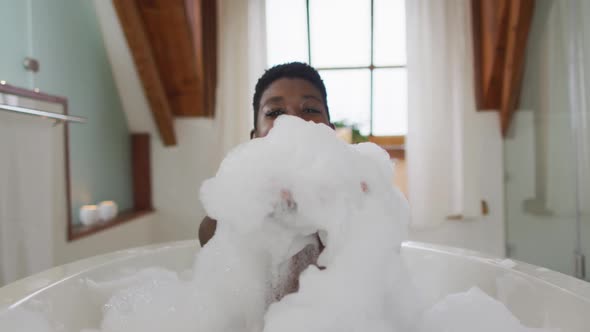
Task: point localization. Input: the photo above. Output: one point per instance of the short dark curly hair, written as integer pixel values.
(288, 70)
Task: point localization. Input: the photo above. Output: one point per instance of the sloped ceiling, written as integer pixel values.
(174, 48)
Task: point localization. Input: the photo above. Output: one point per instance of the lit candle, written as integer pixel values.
(107, 210)
(89, 214)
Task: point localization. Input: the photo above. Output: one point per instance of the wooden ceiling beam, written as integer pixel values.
(170, 35)
(500, 33)
(203, 20)
(145, 62)
(489, 37)
(182, 34)
(521, 14)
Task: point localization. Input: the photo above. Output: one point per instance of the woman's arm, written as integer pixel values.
(207, 230)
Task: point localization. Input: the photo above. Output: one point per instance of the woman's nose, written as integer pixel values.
(294, 110)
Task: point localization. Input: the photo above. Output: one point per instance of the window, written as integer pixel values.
(359, 48)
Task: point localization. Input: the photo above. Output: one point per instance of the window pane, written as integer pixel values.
(390, 104)
(340, 33)
(349, 96)
(389, 33)
(286, 31)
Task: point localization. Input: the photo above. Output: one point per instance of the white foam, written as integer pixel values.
(342, 191)
(22, 320)
(471, 311)
(508, 263)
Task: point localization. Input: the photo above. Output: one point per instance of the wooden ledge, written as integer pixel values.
(397, 153)
(394, 145)
(81, 231)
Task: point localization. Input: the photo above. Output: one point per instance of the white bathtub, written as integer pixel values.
(537, 296)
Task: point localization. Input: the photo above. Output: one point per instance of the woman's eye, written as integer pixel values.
(311, 111)
(275, 113)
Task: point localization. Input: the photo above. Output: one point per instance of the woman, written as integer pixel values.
(293, 88)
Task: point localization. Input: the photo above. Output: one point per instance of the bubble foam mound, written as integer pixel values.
(471, 311)
(302, 180)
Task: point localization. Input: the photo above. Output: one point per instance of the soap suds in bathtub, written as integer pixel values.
(273, 197)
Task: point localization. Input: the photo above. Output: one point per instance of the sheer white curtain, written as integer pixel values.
(559, 99)
(26, 195)
(442, 154)
(569, 53)
(579, 73)
(556, 100)
(242, 53)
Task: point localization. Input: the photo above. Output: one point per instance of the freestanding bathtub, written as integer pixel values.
(537, 296)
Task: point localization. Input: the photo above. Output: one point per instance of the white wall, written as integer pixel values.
(485, 234)
(177, 176)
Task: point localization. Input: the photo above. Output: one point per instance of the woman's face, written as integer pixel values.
(290, 96)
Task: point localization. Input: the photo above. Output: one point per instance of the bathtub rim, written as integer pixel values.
(15, 293)
(18, 292)
(565, 283)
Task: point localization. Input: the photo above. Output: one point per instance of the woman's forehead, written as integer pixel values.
(290, 87)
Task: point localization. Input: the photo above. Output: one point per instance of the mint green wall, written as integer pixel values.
(67, 41)
(13, 39)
